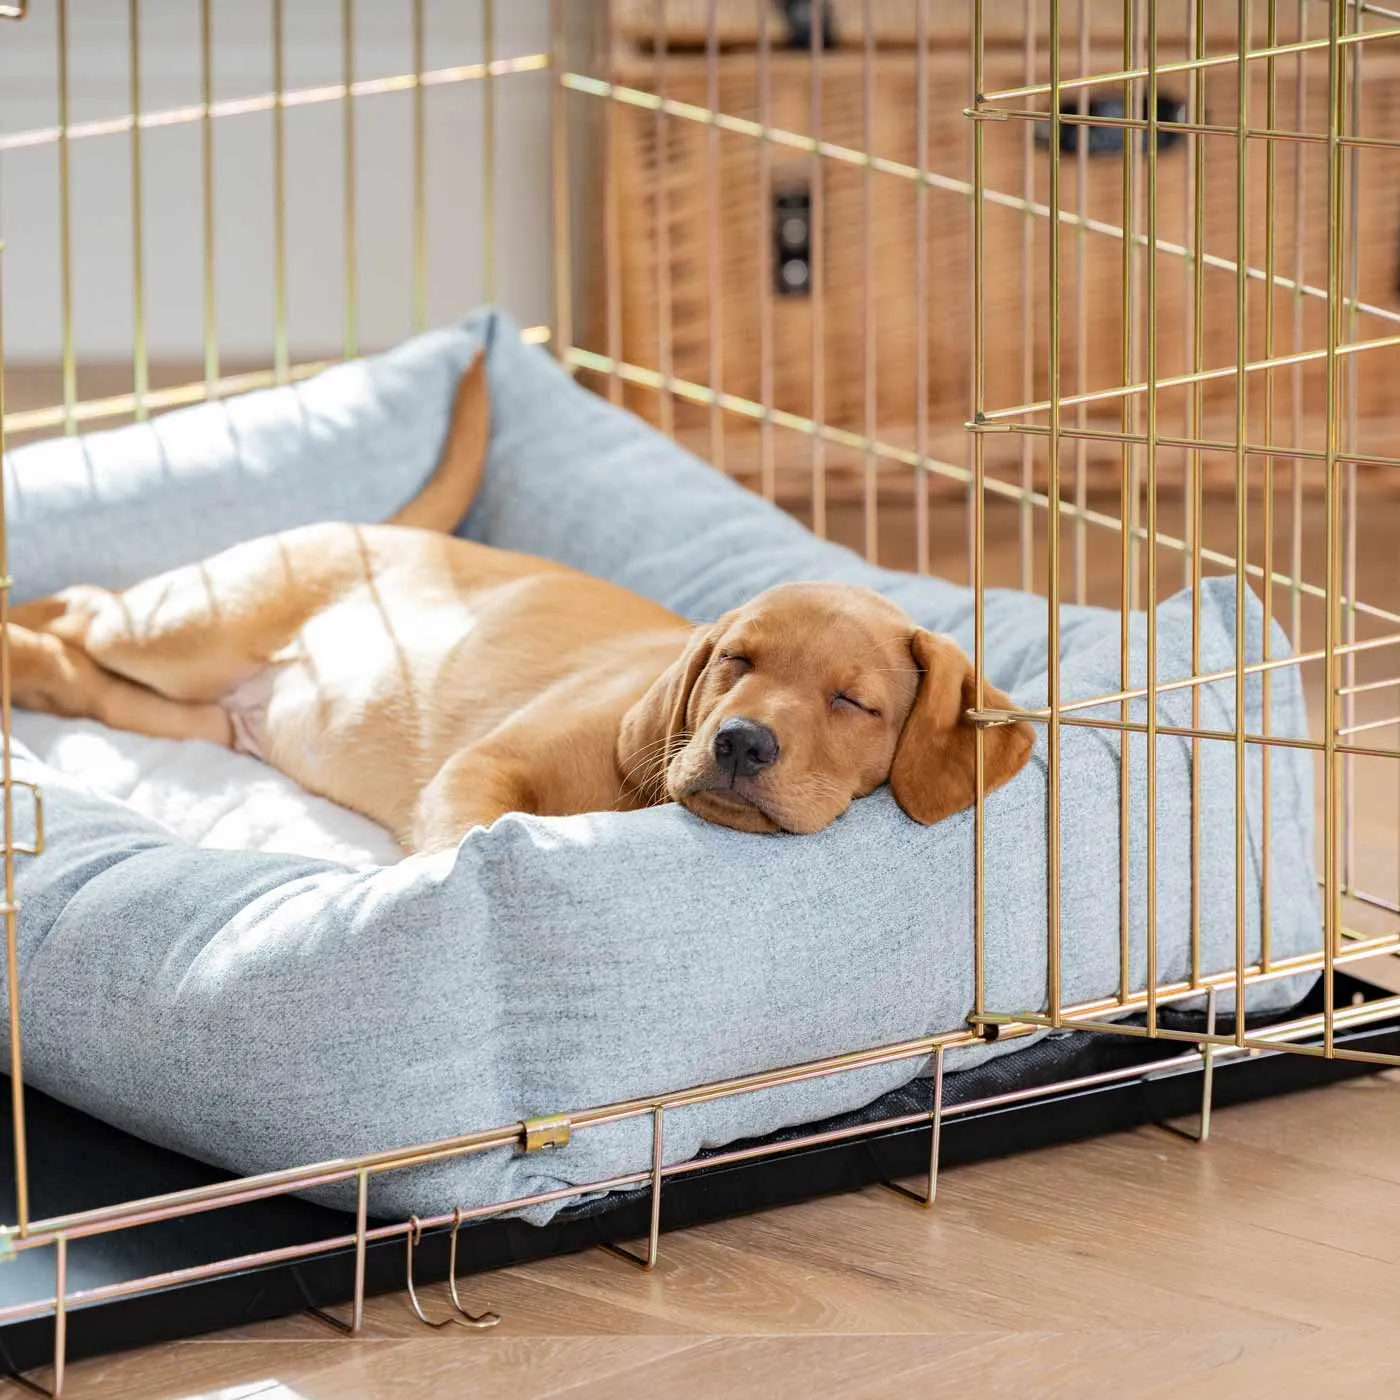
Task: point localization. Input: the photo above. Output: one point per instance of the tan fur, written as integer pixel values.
(434, 684)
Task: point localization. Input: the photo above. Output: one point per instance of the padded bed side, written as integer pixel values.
(261, 1011)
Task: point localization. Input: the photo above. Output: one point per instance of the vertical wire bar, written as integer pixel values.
(716, 237)
(1193, 253)
(140, 369)
(1295, 563)
(559, 171)
(664, 361)
(871, 497)
(60, 1313)
(357, 1305)
(928, 1198)
(1266, 754)
(1081, 322)
(1352, 259)
(279, 199)
(420, 169)
(65, 232)
(17, 1117)
(206, 171)
(1052, 845)
(1196, 403)
(978, 521)
(818, 275)
(1241, 499)
(1335, 214)
(1150, 264)
(1126, 515)
(767, 467)
(351, 253)
(1026, 522)
(658, 1147)
(488, 150)
(612, 237)
(922, 542)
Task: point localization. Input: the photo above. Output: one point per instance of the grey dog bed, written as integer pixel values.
(259, 1011)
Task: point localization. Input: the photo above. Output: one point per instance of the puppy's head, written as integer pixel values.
(775, 717)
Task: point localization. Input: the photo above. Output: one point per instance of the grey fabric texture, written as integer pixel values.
(261, 1011)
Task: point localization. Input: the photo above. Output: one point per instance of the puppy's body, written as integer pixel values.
(434, 684)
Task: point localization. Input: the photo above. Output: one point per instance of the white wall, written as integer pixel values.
(169, 52)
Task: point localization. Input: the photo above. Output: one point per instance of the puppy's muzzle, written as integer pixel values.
(743, 748)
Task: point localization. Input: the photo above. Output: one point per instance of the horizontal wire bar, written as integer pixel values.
(1186, 65)
(1253, 133)
(1369, 685)
(266, 101)
(1304, 454)
(1178, 381)
(579, 358)
(182, 395)
(1370, 724)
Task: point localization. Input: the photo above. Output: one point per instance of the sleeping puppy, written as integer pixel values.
(434, 684)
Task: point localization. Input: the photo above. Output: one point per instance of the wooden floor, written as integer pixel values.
(1265, 1263)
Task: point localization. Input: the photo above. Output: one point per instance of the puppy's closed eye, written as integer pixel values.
(737, 663)
(842, 701)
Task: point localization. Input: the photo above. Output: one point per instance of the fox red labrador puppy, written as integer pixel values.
(434, 684)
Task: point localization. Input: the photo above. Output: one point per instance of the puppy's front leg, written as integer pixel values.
(472, 788)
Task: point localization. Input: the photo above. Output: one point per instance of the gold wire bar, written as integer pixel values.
(767, 470)
(929, 1196)
(1126, 504)
(871, 501)
(140, 369)
(1178, 381)
(702, 394)
(7, 857)
(1196, 414)
(817, 249)
(1151, 618)
(1300, 97)
(1085, 1016)
(279, 202)
(1335, 214)
(206, 173)
(648, 1260)
(1052, 772)
(1025, 516)
(716, 236)
(488, 150)
(923, 543)
(563, 333)
(664, 339)
(1266, 773)
(1370, 724)
(978, 522)
(848, 155)
(1081, 322)
(1223, 60)
(347, 116)
(1241, 501)
(420, 166)
(1393, 681)
(612, 234)
(65, 228)
(269, 101)
(1352, 261)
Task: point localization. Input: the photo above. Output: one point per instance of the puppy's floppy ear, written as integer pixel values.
(645, 740)
(934, 772)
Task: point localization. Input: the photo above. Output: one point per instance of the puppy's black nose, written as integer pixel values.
(744, 748)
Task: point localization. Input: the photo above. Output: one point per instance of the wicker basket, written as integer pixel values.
(865, 308)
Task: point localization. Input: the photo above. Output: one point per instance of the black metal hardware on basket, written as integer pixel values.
(792, 240)
(798, 16)
(1108, 140)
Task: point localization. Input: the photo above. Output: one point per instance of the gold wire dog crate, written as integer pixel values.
(1177, 226)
